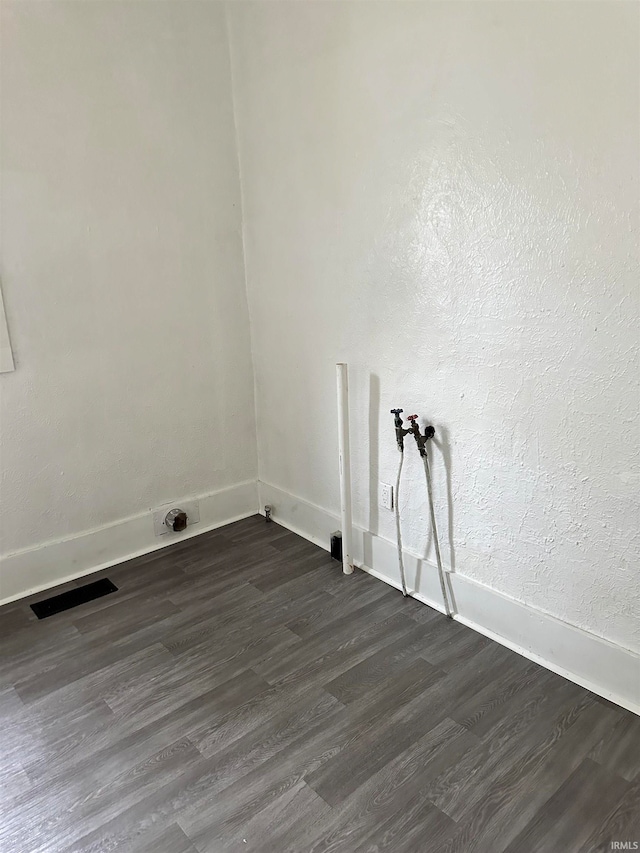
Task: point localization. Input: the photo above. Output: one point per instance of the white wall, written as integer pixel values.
(122, 270)
(444, 195)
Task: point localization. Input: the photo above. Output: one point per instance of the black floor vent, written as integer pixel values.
(67, 600)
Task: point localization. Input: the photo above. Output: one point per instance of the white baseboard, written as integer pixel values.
(600, 666)
(32, 570)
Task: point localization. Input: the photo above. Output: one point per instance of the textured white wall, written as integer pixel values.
(444, 195)
(121, 265)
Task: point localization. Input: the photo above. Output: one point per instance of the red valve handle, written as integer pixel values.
(412, 417)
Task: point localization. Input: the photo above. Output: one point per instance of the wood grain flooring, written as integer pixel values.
(238, 693)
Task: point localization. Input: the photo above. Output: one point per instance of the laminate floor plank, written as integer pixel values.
(354, 764)
(446, 644)
(127, 619)
(239, 693)
(522, 790)
(229, 787)
(386, 794)
(217, 646)
(253, 791)
(300, 758)
(177, 684)
(581, 803)
(481, 711)
(266, 581)
(619, 750)
(87, 806)
(261, 828)
(333, 583)
(329, 658)
(621, 824)
(171, 840)
(393, 658)
(36, 649)
(274, 727)
(13, 619)
(130, 740)
(321, 618)
(293, 602)
(89, 666)
(412, 829)
(466, 783)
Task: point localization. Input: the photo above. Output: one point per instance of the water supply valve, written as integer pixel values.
(421, 440)
(400, 432)
(176, 520)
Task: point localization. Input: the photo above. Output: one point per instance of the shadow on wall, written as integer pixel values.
(442, 442)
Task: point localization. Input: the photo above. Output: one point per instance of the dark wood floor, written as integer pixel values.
(239, 693)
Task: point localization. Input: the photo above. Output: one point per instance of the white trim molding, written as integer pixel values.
(32, 570)
(600, 666)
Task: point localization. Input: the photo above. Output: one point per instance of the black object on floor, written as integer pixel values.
(336, 545)
(67, 600)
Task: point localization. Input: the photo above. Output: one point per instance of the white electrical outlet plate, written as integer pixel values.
(192, 508)
(386, 495)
